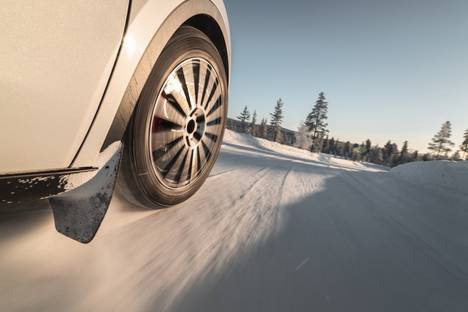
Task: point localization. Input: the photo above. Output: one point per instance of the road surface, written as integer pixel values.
(273, 229)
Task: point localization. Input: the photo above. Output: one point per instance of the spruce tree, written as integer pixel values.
(368, 145)
(441, 141)
(244, 117)
(362, 151)
(253, 124)
(332, 144)
(391, 154)
(316, 121)
(464, 145)
(404, 154)
(376, 155)
(326, 145)
(365, 150)
(427, 157)
(387, 152)
(277, 118)
(263, 129)
(456, 156)
(394, 156)
(347, 150)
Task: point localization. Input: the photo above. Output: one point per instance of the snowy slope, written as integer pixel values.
(274, 228)
(446, 175)
(235, 139)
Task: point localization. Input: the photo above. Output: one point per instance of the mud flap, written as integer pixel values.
(79, 212)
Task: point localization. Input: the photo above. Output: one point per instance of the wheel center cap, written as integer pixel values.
(195, 127)
(191, 126)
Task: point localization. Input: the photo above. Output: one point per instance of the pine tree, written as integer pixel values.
(356, 152)
(391, 154)
(362, 151)
(368, 145)
(387, 152)
(464, 145)
(303, 139)
(316, 121)
(253, 124)
(427, 157)
(339, 148)
(376, 155)
(332, 144)
(277, 118)
(441, 141)
(347, 150)
(394, 156)
(244, 117)
(326, 145)
(404, 154)
(263, 129)
(456, 156)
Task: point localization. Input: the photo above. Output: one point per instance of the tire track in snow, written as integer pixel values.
(430, 250)
(222, 173)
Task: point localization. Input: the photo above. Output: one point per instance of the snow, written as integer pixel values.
(274, 228)
(442, 175)
(235, 139)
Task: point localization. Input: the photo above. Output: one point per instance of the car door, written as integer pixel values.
(55, 60)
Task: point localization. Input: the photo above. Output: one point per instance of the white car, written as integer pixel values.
(92, 89)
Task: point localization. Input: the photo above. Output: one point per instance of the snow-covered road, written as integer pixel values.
(273, 229)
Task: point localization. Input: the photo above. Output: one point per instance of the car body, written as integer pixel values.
(71, 74)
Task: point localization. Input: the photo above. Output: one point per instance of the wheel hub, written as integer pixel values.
(195, 128)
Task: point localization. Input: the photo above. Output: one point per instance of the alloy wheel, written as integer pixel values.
(187, 123)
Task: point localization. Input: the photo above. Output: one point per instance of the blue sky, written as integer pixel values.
(390, 69)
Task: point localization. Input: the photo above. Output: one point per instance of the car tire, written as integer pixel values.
(175, 133)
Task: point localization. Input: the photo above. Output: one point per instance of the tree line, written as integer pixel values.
(263, 129)
(313, 134)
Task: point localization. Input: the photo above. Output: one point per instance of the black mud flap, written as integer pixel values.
(79, 212)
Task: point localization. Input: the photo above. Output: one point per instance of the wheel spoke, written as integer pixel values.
(190, 81)
(190, 172)
(196, 80)
(214, 99)
(160, 152)
(215, 107)
(174, 87)
(199, 165)
(202, 76)
(212, 137)
(183, 82)
(172, 101)
(164, 125)
(173, 160)
(214, 122)
(213, 91)
(182, 167)
(207, 151)
(206, 85)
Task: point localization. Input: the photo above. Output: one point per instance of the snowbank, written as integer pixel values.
(447, 175)
(242, 139)
(249, 141)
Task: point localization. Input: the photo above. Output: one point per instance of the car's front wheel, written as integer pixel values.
(175, 134)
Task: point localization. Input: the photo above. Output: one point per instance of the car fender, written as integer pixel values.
(152, 23)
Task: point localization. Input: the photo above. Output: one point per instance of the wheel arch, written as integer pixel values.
(211, 28)
(209, 16)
